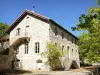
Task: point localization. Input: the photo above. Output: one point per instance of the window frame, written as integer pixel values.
(37, 47)
(26, 48)
(18, 31)
(26, 32)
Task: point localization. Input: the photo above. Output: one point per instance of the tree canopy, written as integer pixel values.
(90, 40)
(3, 28)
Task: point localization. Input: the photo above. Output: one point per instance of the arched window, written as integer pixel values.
(68, 52)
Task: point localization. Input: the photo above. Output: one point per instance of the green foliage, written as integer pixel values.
(53, 54)
(3, 28)
(98, 2)
(84, 45)
(90, 41)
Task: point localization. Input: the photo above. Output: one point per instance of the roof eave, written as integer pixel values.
(43, 18)
(63, 29)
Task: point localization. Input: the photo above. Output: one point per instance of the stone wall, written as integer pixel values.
(38, 32)
(67, 40)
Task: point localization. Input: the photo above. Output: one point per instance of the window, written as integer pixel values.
(72, 52)
(56, 32)
(62, 48)
(27, 17)
(17, 51)
(27, 30)
(56, 44)
(26, 48)
(37, 47)
(76, 51)
(68, 51)
(18, 31)
(27, 26)
(68, 48)
(72, 41)
(75, 41)
(62, 35)
(68, 37)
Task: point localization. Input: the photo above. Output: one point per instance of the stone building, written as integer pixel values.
(28, 36)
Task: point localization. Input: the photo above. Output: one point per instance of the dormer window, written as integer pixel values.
(18, 31)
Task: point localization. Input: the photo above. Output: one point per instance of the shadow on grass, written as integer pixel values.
(13, 72)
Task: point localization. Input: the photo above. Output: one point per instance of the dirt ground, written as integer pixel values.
(90, 70)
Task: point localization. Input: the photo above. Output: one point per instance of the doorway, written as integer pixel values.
(16, 65)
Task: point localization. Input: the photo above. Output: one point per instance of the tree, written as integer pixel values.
(90, 42)
(53, 55)
(84, 47)
(3, 28)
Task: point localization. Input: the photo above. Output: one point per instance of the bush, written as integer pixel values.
(53, 55)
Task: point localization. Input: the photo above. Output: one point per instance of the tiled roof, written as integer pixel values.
(44, 18)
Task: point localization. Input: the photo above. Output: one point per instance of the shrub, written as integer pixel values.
(53, 54)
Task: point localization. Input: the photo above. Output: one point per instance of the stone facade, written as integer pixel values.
(66, 40)
(39, 33)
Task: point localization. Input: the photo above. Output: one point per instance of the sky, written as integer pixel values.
(64, 12)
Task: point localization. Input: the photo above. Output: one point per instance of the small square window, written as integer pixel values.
(27, 17)
(27, 26)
